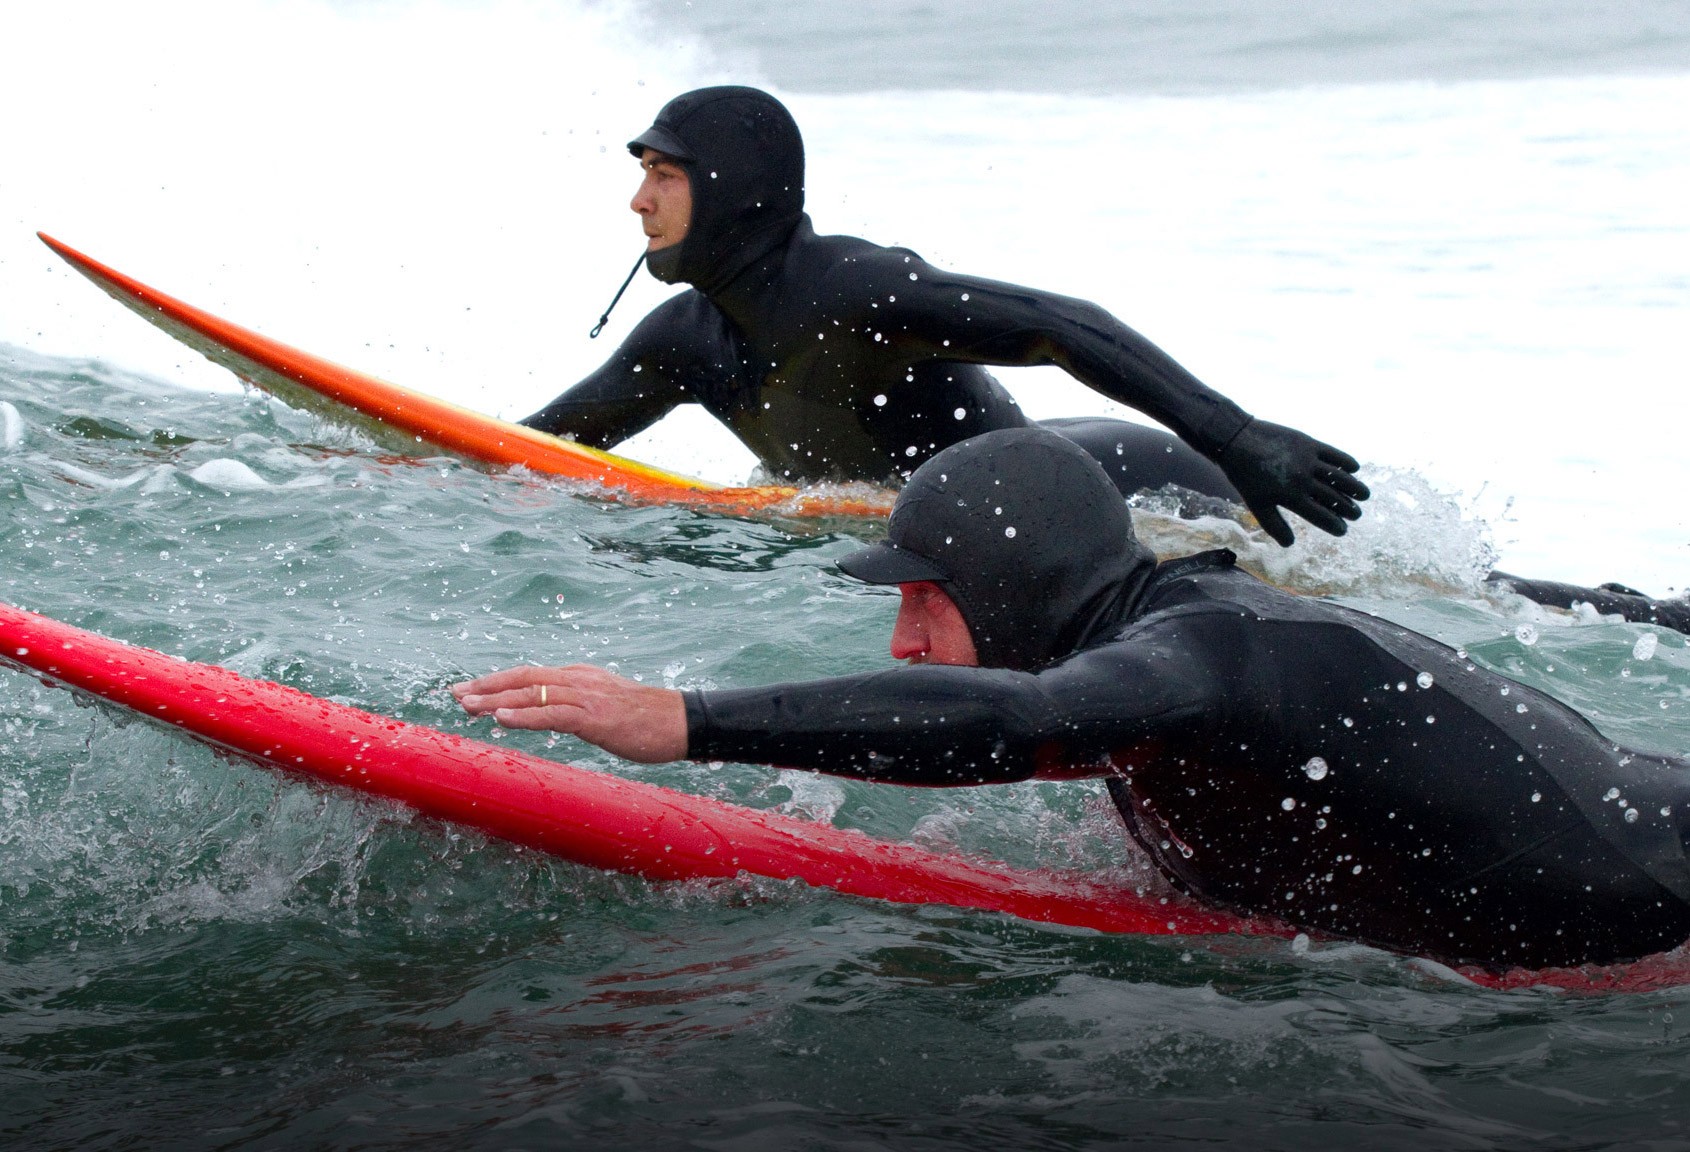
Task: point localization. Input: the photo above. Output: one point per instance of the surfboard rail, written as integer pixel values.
(593, 818)
(400, 418)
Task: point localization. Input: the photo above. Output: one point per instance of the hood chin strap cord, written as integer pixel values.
(605, 319)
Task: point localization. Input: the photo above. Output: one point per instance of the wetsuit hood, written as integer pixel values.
(1026, 533)
(745, 158)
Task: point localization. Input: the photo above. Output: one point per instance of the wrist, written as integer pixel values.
(1220, 428)
(697, 723)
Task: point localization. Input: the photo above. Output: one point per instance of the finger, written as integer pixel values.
(1317, 494)
(1338, 458)
(553, 717)
(1344, 483)
(1274, 525)
(528, 696)
(1323, 518)
(518, 677)
(1333, 501)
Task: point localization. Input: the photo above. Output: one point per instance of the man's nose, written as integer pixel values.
(908, 641)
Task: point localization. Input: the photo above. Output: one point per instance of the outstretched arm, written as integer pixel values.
(606, 408)
(642, 380)
(928, 725)
(945, 316)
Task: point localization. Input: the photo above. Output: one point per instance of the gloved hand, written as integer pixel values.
(1275, 467)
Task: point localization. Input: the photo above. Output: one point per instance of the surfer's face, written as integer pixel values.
(930, 628)
(664, 200)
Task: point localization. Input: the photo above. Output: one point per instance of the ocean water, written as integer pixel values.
(1450, 238)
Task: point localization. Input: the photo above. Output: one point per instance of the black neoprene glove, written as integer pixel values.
(1276, 467)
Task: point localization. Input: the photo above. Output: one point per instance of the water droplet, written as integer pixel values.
(1536, 796)
(880, 400)
(1424, 679)
(1644, 649)
(1402, 685)
(1010, 531)
(1315, 769)
(1666, 811)
(1519, 707)
(1611, 794)
(1356, 871)
(1320, 823)
(960, 413)
(1348, 723)
(1631, 815)
(1288, 803)
(1526, 635)
(965, 295)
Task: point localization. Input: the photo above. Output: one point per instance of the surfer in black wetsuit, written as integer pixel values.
(833, 358)
(1274, 754)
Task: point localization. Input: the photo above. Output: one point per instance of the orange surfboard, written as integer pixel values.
(400, 418)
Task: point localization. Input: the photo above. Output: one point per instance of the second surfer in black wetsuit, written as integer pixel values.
(833, 358)
(1272, 753)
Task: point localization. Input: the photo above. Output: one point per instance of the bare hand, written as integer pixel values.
(627, 719)
(1273, 466)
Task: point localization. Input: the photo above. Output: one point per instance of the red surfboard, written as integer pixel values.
(589, 817)
(400, 418)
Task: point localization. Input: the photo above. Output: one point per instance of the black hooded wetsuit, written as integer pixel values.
(1273, 753)
(833, 358)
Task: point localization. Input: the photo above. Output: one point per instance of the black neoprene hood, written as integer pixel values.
(745, 158)
(1028, 536)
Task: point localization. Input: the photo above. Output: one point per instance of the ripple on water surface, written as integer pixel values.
(198, 952)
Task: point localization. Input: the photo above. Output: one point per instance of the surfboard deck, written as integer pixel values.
(592, 818)
(401, 419)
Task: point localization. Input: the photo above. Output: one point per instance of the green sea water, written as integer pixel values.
(200, 953)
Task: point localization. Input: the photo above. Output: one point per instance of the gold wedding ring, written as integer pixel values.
(542, 695)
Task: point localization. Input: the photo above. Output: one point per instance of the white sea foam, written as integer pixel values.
(97, 480)
(229, 475)
(11, 427)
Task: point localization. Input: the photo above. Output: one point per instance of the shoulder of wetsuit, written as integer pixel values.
(854, 264)
(1186, 579)
(684, 328)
